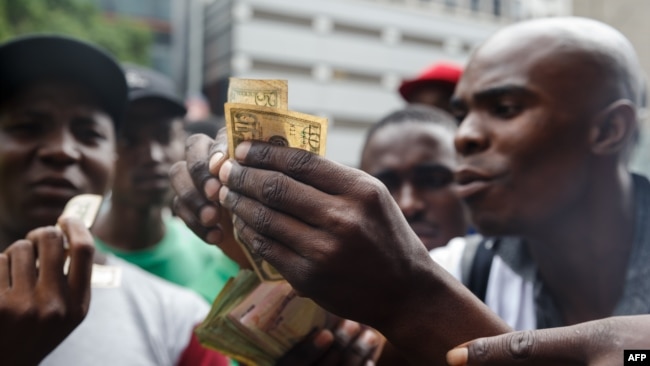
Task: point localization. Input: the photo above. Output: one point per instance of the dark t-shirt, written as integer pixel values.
(636, 294)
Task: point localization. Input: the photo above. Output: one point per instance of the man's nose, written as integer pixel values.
(409, 200)
(471, 136)
(60, 147)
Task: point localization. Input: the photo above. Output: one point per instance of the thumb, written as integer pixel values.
(558, 346)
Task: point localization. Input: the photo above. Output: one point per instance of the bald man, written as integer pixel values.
(548, 115)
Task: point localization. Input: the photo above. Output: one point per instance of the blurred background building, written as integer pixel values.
(343, 58)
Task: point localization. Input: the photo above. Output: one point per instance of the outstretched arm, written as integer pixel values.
(338, 237)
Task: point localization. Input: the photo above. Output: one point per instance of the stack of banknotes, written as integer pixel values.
(256, 322)
(258, 316)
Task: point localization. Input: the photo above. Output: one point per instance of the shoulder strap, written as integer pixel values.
(476, 263)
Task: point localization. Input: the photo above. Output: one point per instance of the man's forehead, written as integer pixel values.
(551, 49)
(536, 63)
(395, 142)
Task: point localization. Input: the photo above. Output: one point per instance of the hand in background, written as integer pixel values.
(596, 343)
(350, 344)
(39, 304)
(197, 187)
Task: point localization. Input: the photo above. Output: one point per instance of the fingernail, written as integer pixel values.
(215, 160)
(323, 339)
(211, 188)
(368, 340)
(242, 150)
(346, 331)
(457, 357)
(208, 216)
(223, 192)
(370, 363)
(224, 172)
(213, 237)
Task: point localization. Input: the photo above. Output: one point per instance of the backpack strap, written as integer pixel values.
(476, 263)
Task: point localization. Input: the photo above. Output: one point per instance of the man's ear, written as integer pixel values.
(614, 128)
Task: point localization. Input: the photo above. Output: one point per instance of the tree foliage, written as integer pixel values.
(124, 38)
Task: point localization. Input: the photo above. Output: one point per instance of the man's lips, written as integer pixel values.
(471, 181)
(54, 187)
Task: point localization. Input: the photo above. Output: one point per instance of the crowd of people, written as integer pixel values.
(493, 220)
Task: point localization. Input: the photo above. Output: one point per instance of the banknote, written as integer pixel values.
(279, 127)
(258, 322)
(276, 316)
(266, 93)
(85, 207)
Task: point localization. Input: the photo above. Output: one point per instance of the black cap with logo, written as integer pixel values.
(145, 83)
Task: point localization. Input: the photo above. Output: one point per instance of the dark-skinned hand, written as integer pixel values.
(337, 236)
(39, 304)
(595, 343)
(350, 344)
(197, 189)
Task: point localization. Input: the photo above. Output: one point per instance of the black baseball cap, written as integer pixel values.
(145, 83)
(27, 59)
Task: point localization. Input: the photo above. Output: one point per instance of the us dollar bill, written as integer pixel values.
(279, 127)
(265, 93)
(85, 208)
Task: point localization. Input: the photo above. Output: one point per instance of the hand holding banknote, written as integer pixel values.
(252, 321)
(39, 304)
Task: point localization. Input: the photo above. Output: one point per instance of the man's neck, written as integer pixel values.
(130, 228)
(582, 254)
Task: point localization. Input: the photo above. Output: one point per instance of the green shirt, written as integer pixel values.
(182, 258)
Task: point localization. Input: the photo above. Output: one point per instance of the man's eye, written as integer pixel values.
(506, 110)
(434, 179)
(90, 134)
(25, 128)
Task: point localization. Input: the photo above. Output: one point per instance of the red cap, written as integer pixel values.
(445, 72)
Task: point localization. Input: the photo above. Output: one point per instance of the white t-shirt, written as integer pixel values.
(508, 294)
(145, 321)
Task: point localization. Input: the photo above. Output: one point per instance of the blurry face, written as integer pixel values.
(415, 161)
(55, 143)
(151, 141)
(523, 139)
(434, 95)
